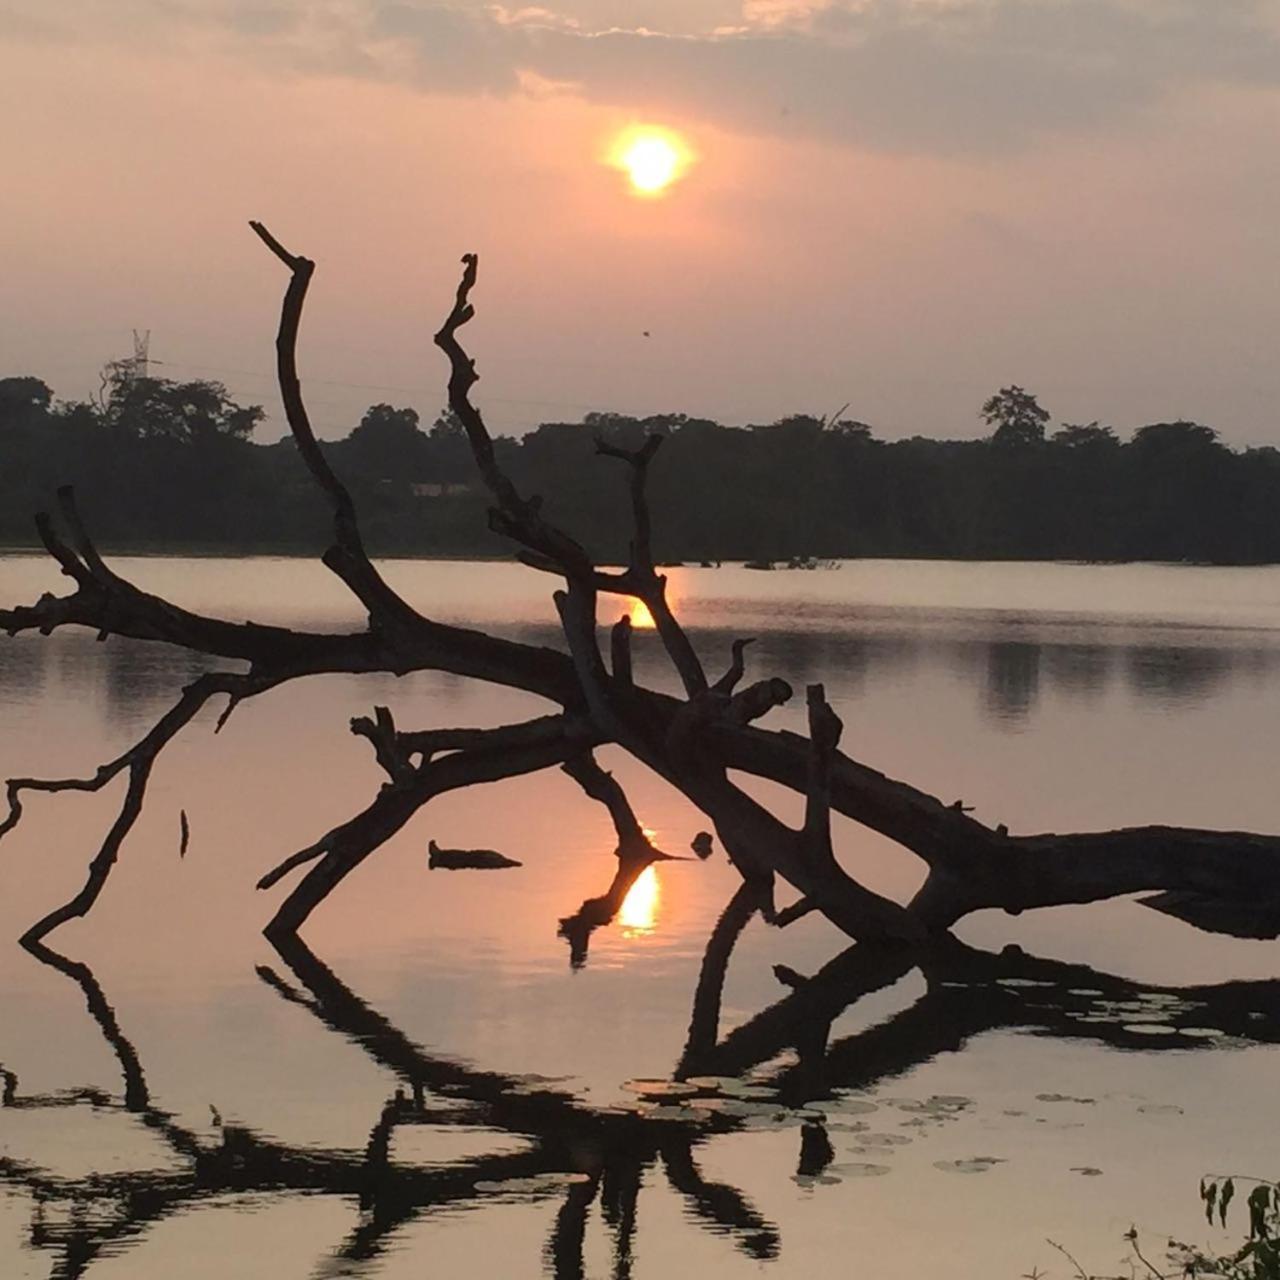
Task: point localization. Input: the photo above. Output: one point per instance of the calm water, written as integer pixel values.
(183, 1101)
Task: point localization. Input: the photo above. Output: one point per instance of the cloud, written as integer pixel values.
(938, 76)
(981, 76)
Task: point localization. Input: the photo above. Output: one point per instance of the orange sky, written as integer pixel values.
(899, 204)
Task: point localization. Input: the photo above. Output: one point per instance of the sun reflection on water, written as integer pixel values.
(639, 911)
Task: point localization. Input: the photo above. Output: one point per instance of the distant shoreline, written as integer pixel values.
(185, 551)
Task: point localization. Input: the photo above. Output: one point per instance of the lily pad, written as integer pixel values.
(843, 1107)
(740, 1107)
(883, 1139)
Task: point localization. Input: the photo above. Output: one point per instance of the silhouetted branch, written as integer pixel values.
(696, 743)
(723, 1208)
(620, 651)
(824, 736)
(136, 1095)
(737, 667)
(341, 850)
(704, 1022)
(347, 558)
(641, 578)
(602, 786)
(516, 517)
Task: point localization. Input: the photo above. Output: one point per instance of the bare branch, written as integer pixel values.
(757, 700)
(514, 516)
(341, 850)
(824, 737)
(737, 668)
(347, 558)
(638, 460)
(620, 650)
(603, 786)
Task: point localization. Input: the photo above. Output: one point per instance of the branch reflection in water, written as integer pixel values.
(778, 1070)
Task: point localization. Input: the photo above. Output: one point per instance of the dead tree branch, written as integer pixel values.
(696, 742)
(347, 557)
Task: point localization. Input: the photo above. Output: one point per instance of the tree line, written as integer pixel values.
(160, 464)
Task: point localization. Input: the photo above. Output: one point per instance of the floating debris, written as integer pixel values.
(439, 859)
(1087, 1171)
(1065, 1097)
(1150, 1029)
(1160, 1109)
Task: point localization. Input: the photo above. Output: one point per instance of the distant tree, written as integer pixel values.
(386, 444)
(851, 429)
(1089, 435)
(23, 401)
(1175, 438)
(1016, 417)
(184, 412)
(795, 428)
(447, 426)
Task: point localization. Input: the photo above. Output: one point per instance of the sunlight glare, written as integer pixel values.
(653, 158)
(641, 618)
(639, 911)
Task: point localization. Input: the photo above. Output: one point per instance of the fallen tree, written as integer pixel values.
(695, 741)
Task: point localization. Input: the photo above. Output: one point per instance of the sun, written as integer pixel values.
(651, 157)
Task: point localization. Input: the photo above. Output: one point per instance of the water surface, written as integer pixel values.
(184, 1100)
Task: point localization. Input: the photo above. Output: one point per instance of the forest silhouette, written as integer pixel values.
(167, 465)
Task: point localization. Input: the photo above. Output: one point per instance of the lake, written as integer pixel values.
(428, 1086)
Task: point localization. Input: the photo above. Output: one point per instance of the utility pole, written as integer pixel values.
(123, 373)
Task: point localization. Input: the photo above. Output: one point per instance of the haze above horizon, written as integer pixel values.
(898, 204)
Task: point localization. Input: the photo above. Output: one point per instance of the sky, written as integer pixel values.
(898, 205)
